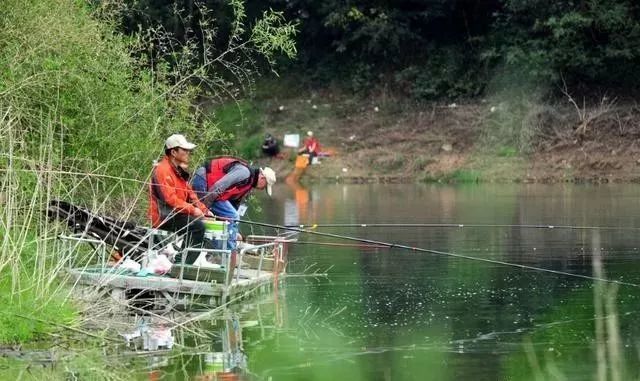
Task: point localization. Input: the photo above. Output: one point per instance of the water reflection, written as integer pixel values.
(205, 345)
(296, 209)
(230, 363)
(302, 205)
(392, 314)
(148, 336)
(402, 315)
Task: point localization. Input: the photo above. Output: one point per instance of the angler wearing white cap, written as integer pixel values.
(173, 205)
(223, 182)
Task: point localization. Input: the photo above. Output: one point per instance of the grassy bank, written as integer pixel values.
(511, 136)
(84, 111)
(80, 119)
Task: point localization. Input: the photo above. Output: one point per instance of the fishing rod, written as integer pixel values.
(359, 245)
(455, 225)
(437, 252)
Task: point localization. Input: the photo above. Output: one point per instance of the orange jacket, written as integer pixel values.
(169, 193)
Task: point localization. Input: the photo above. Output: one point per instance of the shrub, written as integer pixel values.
(80, 119)
(447, 73)
(251, 148)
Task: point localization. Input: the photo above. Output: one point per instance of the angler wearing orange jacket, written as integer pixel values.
(173, 205)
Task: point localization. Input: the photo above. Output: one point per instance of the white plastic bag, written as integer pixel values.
(129, 264)
(159, 265)
(169, 251)
(201, 261)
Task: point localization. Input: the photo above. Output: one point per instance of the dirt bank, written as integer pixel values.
(385, 140)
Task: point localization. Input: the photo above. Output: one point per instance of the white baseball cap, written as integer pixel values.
(270, 175)
(309, 133)
(177, 140)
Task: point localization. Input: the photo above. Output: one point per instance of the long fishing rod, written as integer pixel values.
(359, 245)
(442, 253)
(454, 225)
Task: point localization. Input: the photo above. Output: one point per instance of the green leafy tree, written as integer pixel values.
(581, 41)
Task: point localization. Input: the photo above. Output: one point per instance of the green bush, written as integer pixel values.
(447, 73)
(33, 304)
(507, 151)
(80, 119)
(460, 176)
(83, 114)
(444, 49)
(251, 148)
(72, 78)
(463, 176)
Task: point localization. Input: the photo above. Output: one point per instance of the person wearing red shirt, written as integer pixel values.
(173, 205)
(311, 146)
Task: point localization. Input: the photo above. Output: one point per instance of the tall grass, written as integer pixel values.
(80, 120)
(73, 107)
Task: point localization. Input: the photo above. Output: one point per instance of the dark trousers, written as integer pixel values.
(193, 230)
(311, 155)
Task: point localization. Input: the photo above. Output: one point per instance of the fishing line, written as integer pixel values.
(437, 252)
(454, 225)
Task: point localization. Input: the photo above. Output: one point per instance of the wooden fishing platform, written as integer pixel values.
(178, 293)
(188, 287)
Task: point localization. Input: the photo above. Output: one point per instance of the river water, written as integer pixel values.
(355, 311)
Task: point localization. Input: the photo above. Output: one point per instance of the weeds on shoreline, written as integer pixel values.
(81, 119)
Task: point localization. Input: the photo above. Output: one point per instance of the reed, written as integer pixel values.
(82, 119)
